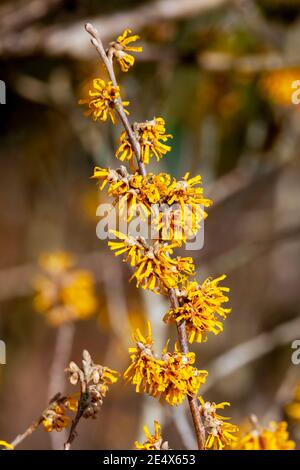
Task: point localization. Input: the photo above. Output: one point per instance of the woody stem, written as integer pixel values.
(97, 43)
(107, 60)
(82, 404)
(21, 437)
(193, 404)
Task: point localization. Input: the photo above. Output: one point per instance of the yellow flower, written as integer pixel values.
(55, 418)
(6, 445)
(151, 136)
(145, 369)
(188, 192)
(71, 402)
(199, 307)
(79, 295)
(186, 200)
(182, 377)
(56, 263)
(127, 189)
(120, 48)
(293, 409)
(134, 194)
(63, 292)
(153, 441)
(273, 437)
(170, 377)
(109, 376)
(102, 101)
(154, 268)
(219, 431)
(175, 207)
(116, 179)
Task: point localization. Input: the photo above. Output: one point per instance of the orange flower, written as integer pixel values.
(102, 100)
(200, 305)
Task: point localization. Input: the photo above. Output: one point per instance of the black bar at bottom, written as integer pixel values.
(133, 459)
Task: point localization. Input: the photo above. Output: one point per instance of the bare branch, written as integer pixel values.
(61, 357)
(70, 39)
(251, 350)
(20, 14)
(254, 63)
(256, 21)
(21, 437)
(97, 43)
(193, 403)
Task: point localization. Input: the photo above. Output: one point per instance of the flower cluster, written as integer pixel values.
(120, 48)
(273, 437)
(199, 306)
(55, 418)
(154, 268)
(153, 441)
(175, 207)
(293, 409)
(95, 381)
(220, 433)
(170, 378)
(102, 100)
(63, 292)
(151, 136)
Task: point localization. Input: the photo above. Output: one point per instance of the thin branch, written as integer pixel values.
(97, 43)
(184, 429)
(33, 427)
(154, 306)
(245, 353)
(68, 39)
(249, 63)
(22, 14)
(21, 437)
(256, 21)
(117, 307)
(193, 403)
(61, 356)
(82, 404)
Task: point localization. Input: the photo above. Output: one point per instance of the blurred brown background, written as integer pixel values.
(220, 73)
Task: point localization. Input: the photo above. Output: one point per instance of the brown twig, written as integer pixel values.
(193, 404)
(21, 14)
(256, 21)
(97, 43)
(67, 39)
(21, 437)
(61, 356)
(33, 427)
(82, 404)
